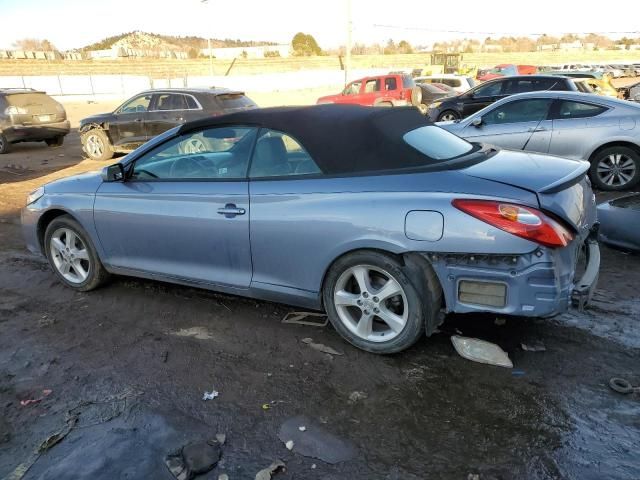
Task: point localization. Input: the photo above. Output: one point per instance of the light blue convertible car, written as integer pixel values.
(380, 218)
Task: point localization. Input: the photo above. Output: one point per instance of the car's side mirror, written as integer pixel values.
(113, 173)
(477, 122)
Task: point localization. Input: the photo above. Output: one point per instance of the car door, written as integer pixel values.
(169, 110)
(129, 124)
(482, 96)
(517, 125)
(371, 92)
(183, 210)
(570, 120)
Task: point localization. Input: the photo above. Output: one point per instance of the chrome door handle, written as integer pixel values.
(230, 210)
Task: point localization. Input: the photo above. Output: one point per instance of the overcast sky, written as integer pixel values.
(75, 23)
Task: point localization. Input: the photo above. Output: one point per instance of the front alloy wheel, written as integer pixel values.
(70, 256)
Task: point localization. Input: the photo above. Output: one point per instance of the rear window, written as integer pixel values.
(26, 100)
(573, 109)
(235, 100)
(436, 143)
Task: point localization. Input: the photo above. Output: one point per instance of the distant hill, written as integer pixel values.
(153, 41)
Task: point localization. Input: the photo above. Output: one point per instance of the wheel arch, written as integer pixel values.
(104, 126)
(615, 143)
(45, 219)
(419, 270)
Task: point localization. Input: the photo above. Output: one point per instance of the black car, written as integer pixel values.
(28, 115)
(463, 105)
(152, 112)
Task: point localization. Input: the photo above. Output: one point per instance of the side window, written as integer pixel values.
(165, 101)
(390, 83)
(533, 110)
(220, 153)
(278, 154)
(572, 109)
(489, 90)
(137, 105)
(191, 103)
(372, 85)
(352, 89)
(407, 82)
(519, 86)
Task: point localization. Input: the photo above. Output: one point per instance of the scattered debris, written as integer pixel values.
(298, 318)
(302, 428)
(355, 397)
(313, 466)
(315, 442)
(623, 386)
(320, 347)
(210, 395)
(265, 473)
(266, 406)
(533, 347)
(45, 393)
(481, 351)
(199, 333)
(223, 476)
(165, 356)
(518, 373)
(500, 322)
(221, 438)
(193, 459)
(289, 444)
(473, 476)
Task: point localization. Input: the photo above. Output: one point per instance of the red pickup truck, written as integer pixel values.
(391, 90)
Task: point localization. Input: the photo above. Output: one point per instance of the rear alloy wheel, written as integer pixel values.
(372, 303)
(96, 145)
(72, 255)
(615, 168)
(448, 116)
(4, 144)
(55, 142)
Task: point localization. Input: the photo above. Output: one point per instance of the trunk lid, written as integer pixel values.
(559, 183)
(34, 108)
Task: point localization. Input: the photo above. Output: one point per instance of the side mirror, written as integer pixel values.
(477, 122)
(113, 173)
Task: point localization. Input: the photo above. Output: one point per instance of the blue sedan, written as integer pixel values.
(377, 216)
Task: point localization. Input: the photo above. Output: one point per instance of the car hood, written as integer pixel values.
(81, 183)
(97, 118)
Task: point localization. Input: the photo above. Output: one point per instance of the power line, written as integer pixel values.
(469, 32)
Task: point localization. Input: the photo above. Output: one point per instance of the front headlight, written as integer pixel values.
(35, 195)
(435, 104)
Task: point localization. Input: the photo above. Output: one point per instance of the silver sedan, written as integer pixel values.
(604, 131)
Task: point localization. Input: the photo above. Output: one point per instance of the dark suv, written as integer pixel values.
(152, 112)
(27, 115)
(463, 105)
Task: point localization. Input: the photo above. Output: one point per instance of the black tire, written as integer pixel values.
(4, 144)
(606, 159)
(55, 142)
(105, 150)
(448, 115)
(414, 327)
(96, 273)
(416, 96)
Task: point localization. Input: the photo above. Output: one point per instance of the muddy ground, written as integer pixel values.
(127, 366)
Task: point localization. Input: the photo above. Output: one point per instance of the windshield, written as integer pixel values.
(436, 143)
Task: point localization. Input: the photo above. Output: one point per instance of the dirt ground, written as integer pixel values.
(127, 366)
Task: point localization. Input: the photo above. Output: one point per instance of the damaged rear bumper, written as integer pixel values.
(538, 284)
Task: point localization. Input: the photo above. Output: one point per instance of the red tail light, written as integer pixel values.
(525, 222)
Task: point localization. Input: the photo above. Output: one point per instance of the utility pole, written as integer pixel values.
(347, 66)
(206, 2)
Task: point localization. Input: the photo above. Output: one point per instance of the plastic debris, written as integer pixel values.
(533, 347)
(289, 444)
(45, 393)
(223, 476)
(221, 438)
(355, 397)
(194, 459)
(518, 373)
(210, 395)
(320, 347)
(298, 318)
(481, 351)
(265, 473)
(302, 428)
(313, 466)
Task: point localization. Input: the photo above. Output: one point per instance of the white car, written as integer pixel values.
(458, 82)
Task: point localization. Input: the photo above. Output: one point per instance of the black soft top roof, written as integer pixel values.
(340, 138)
